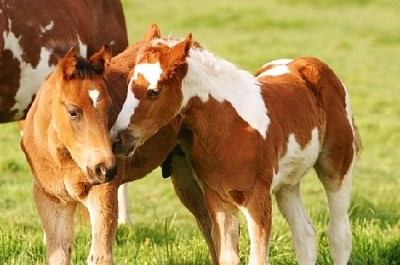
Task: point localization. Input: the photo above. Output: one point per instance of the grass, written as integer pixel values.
(359, 39)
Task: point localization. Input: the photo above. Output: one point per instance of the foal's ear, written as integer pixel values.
(152, 33)
(68, 64)
(180, 51)
(102, 59)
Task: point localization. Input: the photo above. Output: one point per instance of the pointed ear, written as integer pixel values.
(180, 51)
(152, 33)
(68, 64)
(102, 59)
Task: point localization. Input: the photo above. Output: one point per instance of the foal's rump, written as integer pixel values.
(312, 96)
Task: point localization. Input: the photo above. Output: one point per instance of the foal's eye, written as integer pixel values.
(74, 113)
(153, 93)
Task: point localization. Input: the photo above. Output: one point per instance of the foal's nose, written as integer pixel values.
(104, 172)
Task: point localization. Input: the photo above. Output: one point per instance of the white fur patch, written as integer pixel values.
(124, 117)
(209, 75)
(31, 77)
(48, 27)
(94, 95)
(151, 73)
(297, 161)
(280, 67)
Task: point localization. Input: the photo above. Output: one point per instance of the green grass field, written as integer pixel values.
(359, 39)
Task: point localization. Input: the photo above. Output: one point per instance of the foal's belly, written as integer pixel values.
(296, 162)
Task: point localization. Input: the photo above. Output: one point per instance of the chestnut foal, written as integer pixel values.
(248, 138)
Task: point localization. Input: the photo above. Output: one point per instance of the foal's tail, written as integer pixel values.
(327, 88)
(357, 140)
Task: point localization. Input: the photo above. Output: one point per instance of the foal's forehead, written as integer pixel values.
(149, 71)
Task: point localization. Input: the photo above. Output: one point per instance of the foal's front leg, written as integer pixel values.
(225, 228)
(190, 194)
(58, 223)
(103, 211)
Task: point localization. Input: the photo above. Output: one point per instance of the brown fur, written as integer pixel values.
(60, 184)
(94, 22)
(236, 166)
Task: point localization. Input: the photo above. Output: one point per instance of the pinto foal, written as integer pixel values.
(248, 138)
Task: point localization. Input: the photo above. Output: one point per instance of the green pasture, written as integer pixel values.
(359, 39)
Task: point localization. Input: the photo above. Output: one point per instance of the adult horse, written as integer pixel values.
(249, 137)
(31, 31)
(67, 128)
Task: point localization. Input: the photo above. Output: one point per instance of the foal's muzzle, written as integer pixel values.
(102, 173)
(125, 144)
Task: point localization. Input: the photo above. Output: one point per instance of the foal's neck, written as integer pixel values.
(211, 77)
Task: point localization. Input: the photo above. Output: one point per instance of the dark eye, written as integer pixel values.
(153, 93)
(74, 113)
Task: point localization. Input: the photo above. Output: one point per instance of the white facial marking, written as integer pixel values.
(151, 73)
(94, 95)
(297, 161)
(31, 78)
(82, 47)
(48, 27)
(210, 75)
(124, 117)
(280, 67)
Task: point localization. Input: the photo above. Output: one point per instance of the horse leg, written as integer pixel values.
(123, 209)
(338, 194)
(257, 211)
(190, 194)
(303, 233)
(103, 211)
(225, 228)
(58, 223)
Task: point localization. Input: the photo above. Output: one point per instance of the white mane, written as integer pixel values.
(210, 75)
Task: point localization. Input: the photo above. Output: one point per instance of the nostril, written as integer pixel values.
(111, 172)
(100, 169)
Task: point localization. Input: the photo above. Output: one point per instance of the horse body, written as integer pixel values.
(248, 138)
(31, 32)
(60, 179)
(67, 144)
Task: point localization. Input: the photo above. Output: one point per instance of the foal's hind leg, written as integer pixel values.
(191, 195)
(338, 191)
(57, 219)
(303, 233)
(103, 210)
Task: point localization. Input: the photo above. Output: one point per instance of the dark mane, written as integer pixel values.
(87, 70)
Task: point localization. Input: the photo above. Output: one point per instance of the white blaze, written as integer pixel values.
(124, 117)
(151, 72)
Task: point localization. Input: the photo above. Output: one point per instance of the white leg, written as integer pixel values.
(228, 226)
(303, 232)
(339, 231)
(225, 229)
(123, 206)
(258, 243)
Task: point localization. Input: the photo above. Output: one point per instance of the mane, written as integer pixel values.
(86, 70)
(209, 75)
